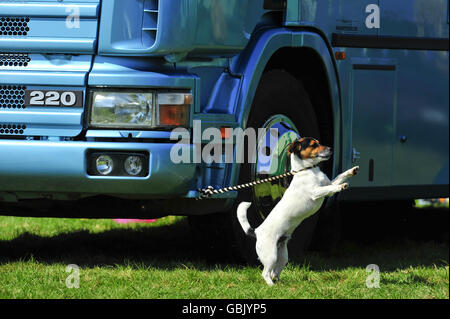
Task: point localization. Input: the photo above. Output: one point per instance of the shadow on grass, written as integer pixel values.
(391, 239)
(169, 247)
(410, 278)
(163, 246)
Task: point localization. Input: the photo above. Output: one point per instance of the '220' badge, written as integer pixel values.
(53, 98)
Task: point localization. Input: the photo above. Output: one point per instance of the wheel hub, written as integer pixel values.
(272, 160)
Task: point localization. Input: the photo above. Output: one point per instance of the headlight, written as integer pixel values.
(145, 110)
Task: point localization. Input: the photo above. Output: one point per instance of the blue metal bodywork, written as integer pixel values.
(57, 171)
(177, 27)
(388, 102)
(52, 16)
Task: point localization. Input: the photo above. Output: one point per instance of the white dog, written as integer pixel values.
(303, 198)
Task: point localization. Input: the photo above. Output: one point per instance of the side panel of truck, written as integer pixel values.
(394, 86)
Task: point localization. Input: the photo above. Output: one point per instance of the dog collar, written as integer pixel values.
(304, 169)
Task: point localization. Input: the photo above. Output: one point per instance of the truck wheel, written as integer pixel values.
(280, 103)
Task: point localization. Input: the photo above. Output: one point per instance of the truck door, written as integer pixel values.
(373, 97)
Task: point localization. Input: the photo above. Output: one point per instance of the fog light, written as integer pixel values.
(104, 164)
(133, 165)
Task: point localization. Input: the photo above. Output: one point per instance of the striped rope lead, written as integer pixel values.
(209, 191)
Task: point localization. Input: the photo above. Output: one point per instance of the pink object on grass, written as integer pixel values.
(127, 221)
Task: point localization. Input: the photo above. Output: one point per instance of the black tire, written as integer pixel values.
(278, 93)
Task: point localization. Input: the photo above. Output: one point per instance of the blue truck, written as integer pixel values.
(92, 91)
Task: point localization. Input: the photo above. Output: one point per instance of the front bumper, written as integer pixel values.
(50, 168)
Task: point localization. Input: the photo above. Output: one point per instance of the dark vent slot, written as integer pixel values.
(12, 129)
(150, 22)
(14, 59)
(148, 37)
(12, 97)
(151, 5)
(14, 26)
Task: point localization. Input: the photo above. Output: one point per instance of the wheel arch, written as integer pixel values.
(301, 53)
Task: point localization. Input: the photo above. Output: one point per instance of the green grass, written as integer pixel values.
(434, 203)
(158, 260)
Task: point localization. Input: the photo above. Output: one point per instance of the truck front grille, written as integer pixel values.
(12, 129)
(12, 97)
(14, 59)
(14, 26)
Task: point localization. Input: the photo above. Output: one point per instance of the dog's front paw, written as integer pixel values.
(344, 186)
(355, 170)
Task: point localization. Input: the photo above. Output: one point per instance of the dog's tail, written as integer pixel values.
(242, 217)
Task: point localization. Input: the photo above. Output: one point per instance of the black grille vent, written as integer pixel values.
(12, 97)
(14, 59)
(12, 129)
(14, 26)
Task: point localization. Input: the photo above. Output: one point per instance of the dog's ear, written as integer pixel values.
(291, 148)
(295, 148)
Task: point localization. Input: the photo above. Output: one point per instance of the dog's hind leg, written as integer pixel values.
(282, 258)
(267, 254)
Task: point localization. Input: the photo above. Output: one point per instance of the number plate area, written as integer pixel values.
(53, 98)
